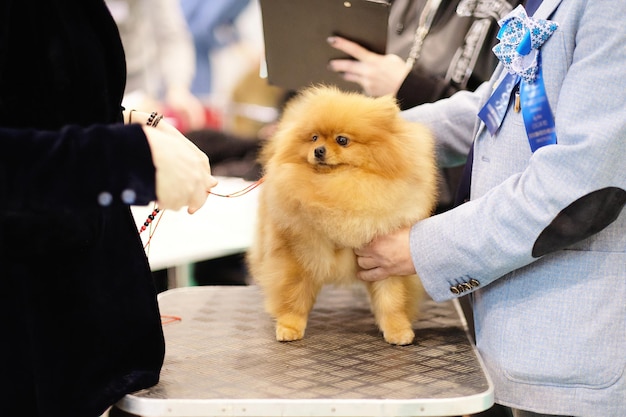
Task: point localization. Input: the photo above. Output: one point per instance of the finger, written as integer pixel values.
(365, 262)
(211, 183)
(375, 274)
(197, 202)
(343, 65)
(198, 199)
(352, 77)
(351, 48)
(366, 250)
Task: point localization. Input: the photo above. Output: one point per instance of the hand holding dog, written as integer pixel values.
(385, 256)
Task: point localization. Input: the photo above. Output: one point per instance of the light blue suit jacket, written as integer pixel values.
(541, 246)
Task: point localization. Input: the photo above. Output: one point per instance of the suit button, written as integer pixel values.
(474, 283)
(454, 290)
(105, 199)
(128, 197)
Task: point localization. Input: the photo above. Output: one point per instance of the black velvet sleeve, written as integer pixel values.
(419, 88)
(75, 167)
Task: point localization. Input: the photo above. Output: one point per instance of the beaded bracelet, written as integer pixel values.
(153, 115)
(157, 120)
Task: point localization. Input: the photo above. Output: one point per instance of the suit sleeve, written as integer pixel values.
(572, 193)
(75, 167)
(452, 120)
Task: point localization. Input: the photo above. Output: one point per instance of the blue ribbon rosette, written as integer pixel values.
(521, 38)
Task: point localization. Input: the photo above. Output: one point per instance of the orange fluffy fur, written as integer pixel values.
(341, 169)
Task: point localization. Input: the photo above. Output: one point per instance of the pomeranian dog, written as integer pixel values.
(340, 169)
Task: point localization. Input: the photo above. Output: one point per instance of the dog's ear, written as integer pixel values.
(382, 112)
(388, 103)
(266, 151)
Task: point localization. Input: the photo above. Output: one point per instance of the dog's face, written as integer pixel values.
(328, 150)
(330, 130)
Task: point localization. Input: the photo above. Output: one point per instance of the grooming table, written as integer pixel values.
(222, 359)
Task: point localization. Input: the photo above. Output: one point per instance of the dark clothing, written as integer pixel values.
(81, 323)
(231, 155)
(456, 54)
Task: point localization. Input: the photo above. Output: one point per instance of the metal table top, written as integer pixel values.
(222, 359)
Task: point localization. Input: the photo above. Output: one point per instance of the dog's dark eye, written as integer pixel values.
(342, 140)
(314, 138)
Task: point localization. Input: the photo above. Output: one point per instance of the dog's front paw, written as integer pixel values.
(288, 334)
(290, 327)
(400, 337)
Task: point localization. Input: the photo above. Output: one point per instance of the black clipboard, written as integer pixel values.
(295, 33)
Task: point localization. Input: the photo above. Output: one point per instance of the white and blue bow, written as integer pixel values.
(520, 37)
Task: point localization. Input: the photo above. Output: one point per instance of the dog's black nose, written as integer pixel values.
(319, 152)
